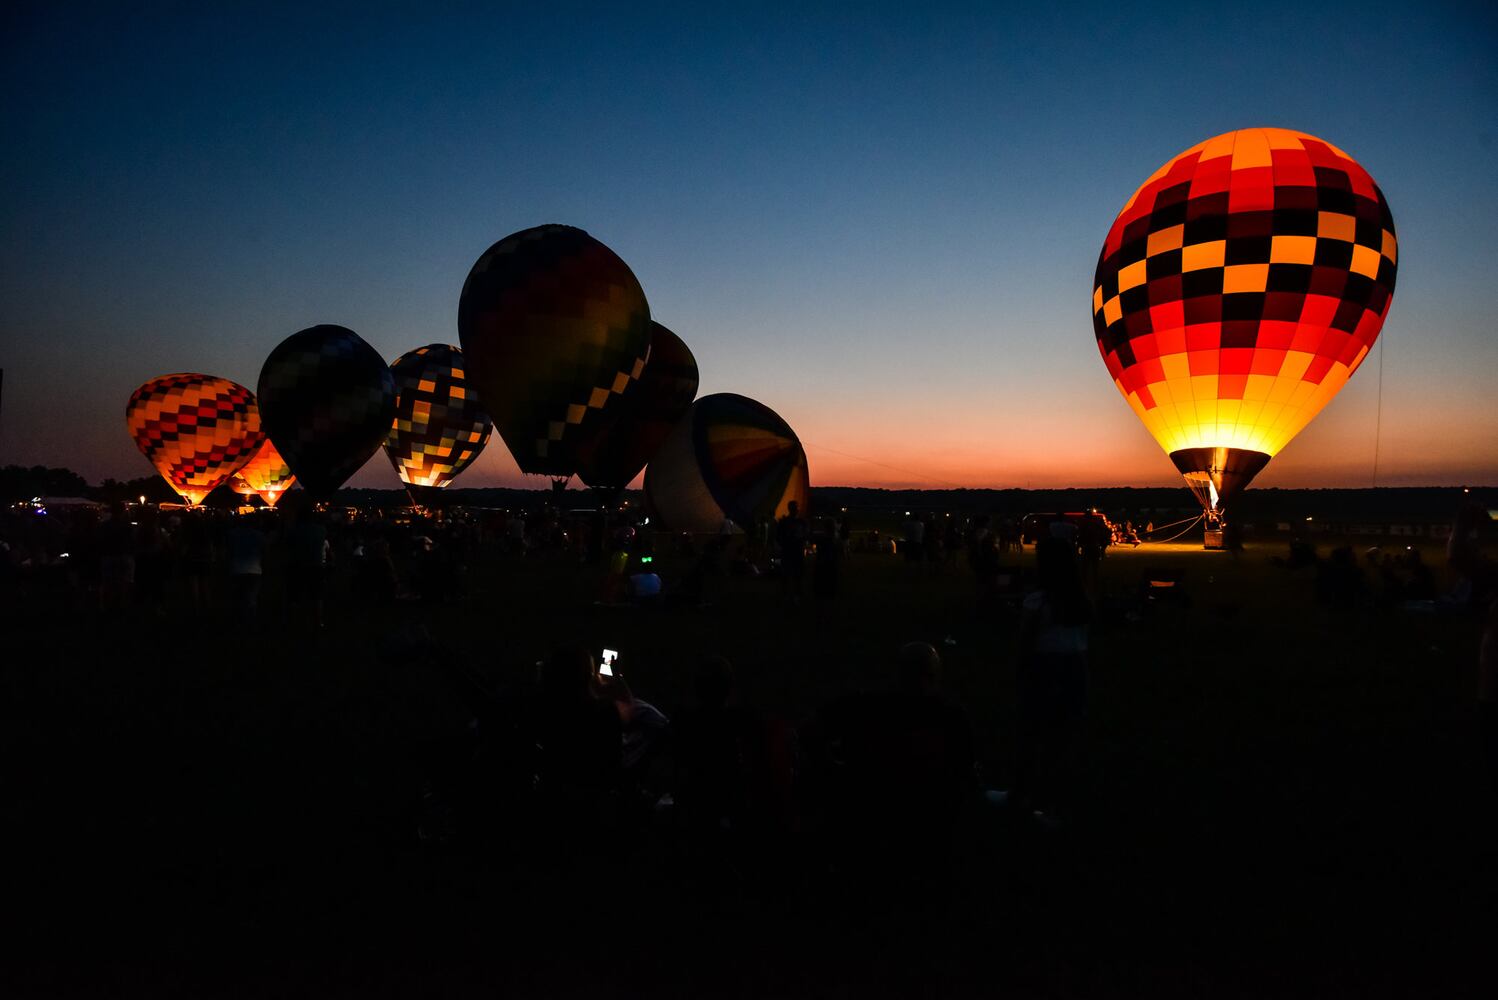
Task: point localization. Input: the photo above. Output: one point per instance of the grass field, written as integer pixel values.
(1279, 799)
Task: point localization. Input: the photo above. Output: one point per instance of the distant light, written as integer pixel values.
(142, 499)
(63, 556)
(1308, 519)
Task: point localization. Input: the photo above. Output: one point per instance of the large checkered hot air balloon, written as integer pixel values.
(326, 400)
(729, 458)
(634, 428)
(555, 329)
(196, 429)
(439, 426)
(266, 475)
(1237, 291)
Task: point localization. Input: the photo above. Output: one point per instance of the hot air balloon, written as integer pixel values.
(555, 329)
(634, 428)
(266, 475)
(1237, 291)
(729, 457)
(326, 400)
(196, 429)
(439, 426)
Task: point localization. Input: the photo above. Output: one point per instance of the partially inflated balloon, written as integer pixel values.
(555, 329)
(266, 475)
(1238, 289)
(729, 457)
(636, 426)
(196, 429)
(326, 400)
(439, 427)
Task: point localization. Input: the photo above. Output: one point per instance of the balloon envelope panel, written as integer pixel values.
(197, 430)
(555, 328)
(1240, 287)
(326, 399)
(633, 430)
(266, 475)
(440, 426)
(730, 457)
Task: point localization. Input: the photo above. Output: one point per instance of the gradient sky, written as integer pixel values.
(881, 222)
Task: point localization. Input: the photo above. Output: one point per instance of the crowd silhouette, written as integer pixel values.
(878, 785)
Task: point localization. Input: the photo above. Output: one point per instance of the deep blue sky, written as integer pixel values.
(881, 223)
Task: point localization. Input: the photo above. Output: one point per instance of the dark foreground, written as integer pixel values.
(1280, 799)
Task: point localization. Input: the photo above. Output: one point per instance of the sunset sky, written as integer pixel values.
(883, 223)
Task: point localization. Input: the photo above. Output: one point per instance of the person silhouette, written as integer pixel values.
(790, 534)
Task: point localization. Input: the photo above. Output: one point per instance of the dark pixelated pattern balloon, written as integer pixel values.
(440, 426)
(197, 430)
(326, 399)
(729, 457)
(555, 328)
(633, 431)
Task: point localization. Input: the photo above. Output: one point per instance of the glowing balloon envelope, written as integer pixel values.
(266, 475)
(1237, 291)
(196, 429)
(440, 426)
(729, 457)
(637, 425)
(555, 328)
(326, 399)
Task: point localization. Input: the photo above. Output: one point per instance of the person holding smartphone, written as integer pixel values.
(642, 725)
(577, 731)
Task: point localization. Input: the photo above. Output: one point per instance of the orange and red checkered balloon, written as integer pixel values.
(196, 429)
(1237, 291)
(265, 475)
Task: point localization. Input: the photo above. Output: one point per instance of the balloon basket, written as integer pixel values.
(1212, 539)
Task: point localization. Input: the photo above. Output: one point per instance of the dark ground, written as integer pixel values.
(1280, 800)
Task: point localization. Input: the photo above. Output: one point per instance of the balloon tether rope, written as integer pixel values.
(1178, 534)
(1378, 416)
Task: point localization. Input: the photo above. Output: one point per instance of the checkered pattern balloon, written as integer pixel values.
(729, 457)
(555, 329)
(326, 400)
(196, 429)
(439, 427)
(634, 429)
(1239, 288)
(266, 475)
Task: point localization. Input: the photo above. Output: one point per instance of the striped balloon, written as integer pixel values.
(729, 458)
(266, 475)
